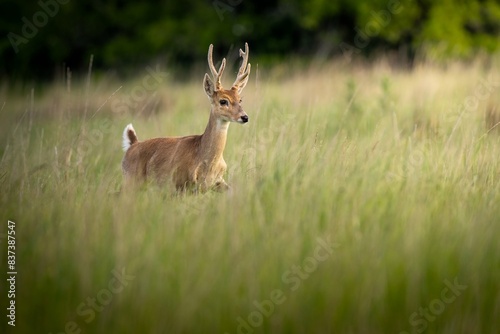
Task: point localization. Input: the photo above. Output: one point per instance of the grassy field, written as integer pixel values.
(365, 199)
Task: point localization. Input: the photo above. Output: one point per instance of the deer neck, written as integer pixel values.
(213, 140)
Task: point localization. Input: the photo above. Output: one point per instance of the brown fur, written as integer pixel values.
(192, 163)
(132, 137)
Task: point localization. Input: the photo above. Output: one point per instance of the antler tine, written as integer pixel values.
(245, 59)
(216, 75)
(210, 61)
(244, 70)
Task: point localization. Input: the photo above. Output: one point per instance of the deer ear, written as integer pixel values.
(209, 86)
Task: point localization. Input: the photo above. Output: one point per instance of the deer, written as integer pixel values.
(191, 163)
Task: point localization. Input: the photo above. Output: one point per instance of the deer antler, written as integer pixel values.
(216, 75)
(244, 71)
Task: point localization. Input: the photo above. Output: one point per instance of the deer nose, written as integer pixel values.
(244, 118)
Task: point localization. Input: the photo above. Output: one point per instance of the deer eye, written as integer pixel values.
(223, 102)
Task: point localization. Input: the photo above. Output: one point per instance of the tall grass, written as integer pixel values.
(360, 194)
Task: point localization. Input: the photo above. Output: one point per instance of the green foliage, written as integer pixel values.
(127, 34)
(470, 26)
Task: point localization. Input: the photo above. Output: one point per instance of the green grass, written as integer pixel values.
(380, 163)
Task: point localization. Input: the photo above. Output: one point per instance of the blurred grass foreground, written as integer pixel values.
(365, 200)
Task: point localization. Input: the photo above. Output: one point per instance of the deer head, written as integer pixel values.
(226, 104)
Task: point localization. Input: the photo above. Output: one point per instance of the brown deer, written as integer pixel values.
(191, 163)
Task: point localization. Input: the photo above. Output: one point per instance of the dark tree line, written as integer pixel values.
(39, 36)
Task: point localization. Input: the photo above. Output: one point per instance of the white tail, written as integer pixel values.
(193, 162)
(129, 137)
